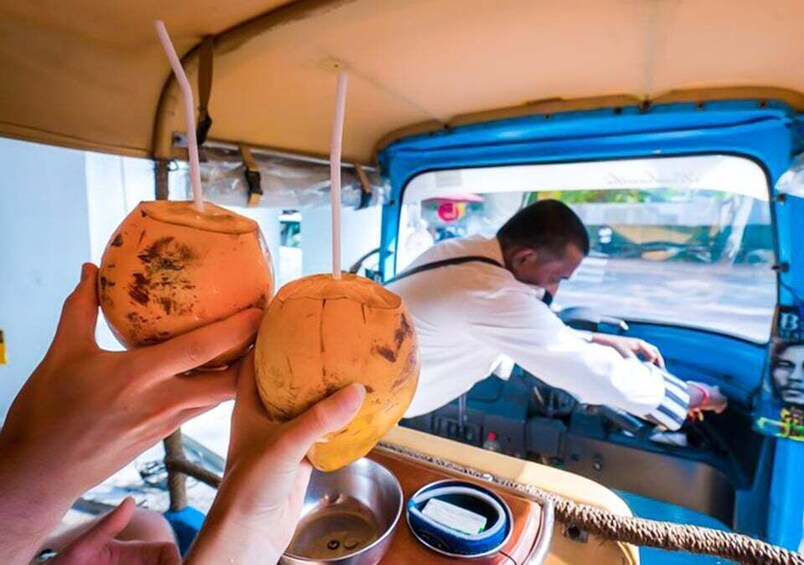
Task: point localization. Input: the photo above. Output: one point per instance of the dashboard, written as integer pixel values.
(701, 467)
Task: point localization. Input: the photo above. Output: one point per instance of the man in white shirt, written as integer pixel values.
(476, 301)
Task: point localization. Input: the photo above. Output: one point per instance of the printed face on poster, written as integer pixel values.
(783, 413)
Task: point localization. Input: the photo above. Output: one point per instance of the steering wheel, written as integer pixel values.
(626, 422)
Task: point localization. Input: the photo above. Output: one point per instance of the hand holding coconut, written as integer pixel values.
(84, 413)
(258, 503)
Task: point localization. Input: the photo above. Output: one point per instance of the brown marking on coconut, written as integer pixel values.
(167, 305)
(135, 323)
(386, 352)
(400, 380)
(138, 290)
(117, 241)
(402, 332)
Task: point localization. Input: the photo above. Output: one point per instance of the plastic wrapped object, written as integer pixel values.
(285, 181)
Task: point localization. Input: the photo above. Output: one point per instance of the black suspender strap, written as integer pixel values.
(445, 263)
(547, 298)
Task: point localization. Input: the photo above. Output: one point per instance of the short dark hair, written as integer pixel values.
(545, 224)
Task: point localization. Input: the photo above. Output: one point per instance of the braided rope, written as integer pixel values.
(629, 529)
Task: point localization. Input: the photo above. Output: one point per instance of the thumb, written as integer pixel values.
(110, 525)
(80, 312)
(329, 415)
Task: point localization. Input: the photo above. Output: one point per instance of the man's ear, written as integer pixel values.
(522, 257)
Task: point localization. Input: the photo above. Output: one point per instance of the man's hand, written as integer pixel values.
(259, 502)
(631, 347)
(706, 397)
(84, 413)
(97, 546)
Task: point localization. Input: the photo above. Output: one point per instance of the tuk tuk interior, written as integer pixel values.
(646, 110)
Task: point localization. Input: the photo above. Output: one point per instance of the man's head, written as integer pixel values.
(788, 373)
(543, 244)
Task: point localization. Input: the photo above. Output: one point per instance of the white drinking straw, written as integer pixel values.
(189, 112)
(335, 173)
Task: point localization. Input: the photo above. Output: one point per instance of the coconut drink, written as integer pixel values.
(319, 335)
(170, 268)
(324, 332)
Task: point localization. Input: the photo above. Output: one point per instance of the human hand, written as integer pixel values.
(98, 546)
(705, 397)
(259, 502)
(631, 347)
(84, 412)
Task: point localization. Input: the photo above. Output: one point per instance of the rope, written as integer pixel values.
(629, 529)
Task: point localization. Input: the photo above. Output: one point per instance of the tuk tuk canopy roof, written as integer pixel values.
(91, 74)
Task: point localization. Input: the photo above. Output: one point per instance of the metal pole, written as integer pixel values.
(161, 168)
(461, 414)
(177, 487)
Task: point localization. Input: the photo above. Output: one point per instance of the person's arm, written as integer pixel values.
(527, 331)
(259, 501)
(630, 347)
(84, 413)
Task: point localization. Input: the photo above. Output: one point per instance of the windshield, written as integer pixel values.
(684, 241)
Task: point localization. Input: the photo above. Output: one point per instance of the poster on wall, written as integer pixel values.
(783, 405)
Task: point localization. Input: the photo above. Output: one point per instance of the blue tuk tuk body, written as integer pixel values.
(768, 500)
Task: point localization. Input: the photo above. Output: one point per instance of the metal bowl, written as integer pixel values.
(348, 518)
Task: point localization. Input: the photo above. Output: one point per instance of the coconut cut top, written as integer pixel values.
(349, 287)
(212, 218)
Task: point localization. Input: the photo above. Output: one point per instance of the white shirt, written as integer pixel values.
(469, 317)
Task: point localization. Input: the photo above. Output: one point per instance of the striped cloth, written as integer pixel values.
(674, 407)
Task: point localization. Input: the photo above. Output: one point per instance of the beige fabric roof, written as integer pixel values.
(89, 73)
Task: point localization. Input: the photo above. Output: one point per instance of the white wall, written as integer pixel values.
(58, 208)
(43, 241)
(114, 187)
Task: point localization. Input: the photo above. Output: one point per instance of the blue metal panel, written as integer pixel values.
(790, 227)
(786, 513)
(689, 354)
(653, 509)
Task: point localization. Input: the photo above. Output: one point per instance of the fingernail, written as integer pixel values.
(86, 270)
(356, 396)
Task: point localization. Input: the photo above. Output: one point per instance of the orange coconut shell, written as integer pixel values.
(321, 334)
(169, 269)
